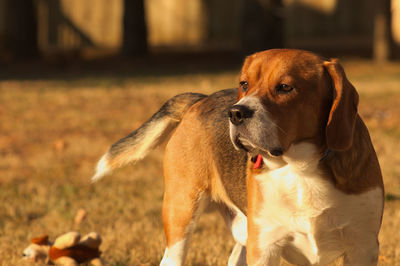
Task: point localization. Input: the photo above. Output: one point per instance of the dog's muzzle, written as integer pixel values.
(243, 134)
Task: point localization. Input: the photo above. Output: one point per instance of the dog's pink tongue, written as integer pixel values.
(258, 162)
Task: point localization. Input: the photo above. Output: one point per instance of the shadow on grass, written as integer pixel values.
(392, 197)
(72, 68)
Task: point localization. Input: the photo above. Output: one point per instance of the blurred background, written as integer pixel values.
(103, 28)
(77, 75)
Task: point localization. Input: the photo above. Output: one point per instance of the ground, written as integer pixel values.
(55, 127)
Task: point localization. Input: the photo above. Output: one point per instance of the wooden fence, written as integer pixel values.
(203, 24)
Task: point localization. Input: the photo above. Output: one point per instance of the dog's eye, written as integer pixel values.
(283, 88)
(244, 86)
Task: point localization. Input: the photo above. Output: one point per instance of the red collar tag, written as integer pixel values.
(258, 162)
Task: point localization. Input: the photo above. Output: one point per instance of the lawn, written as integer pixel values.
(54, 128)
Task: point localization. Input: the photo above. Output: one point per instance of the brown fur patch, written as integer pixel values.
(42, 240)
(357, 169)
(79, 253)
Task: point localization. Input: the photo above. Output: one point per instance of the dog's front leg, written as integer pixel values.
(264, 236)
(364, 254)
(262, 246)
(258, 255)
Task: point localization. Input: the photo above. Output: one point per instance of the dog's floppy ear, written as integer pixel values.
(343, 113)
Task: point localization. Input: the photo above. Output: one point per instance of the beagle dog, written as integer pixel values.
(285, 157)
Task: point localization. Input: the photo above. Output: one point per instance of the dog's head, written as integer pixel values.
(290, 96)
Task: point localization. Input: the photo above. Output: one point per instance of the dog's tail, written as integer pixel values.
(153, 132)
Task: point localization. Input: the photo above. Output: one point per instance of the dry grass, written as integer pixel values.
(53, 131)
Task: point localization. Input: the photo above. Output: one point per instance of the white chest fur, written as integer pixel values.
(307, 216)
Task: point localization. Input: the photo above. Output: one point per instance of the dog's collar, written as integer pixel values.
(328, 151)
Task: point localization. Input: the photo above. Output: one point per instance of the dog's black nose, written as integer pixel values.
(238, 113)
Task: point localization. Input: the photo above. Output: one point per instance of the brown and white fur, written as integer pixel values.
(304, 203)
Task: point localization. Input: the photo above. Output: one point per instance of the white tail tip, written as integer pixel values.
(102, 169)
